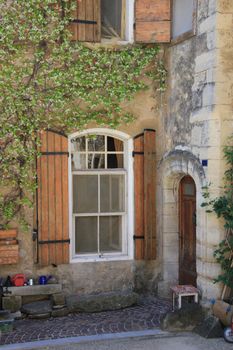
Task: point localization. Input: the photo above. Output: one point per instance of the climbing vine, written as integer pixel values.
(222, 206)
(48, 81)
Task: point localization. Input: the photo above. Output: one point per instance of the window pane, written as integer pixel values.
(114, 145)
(85, 193)
(78, 161)
(111, 18)
(115, 161)
(96, 161)
(110, 234)
(78, 144)
(96, 143)
(112, 193)
(86, 235)
(182, 17)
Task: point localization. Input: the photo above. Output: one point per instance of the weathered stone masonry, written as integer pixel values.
(192, 125)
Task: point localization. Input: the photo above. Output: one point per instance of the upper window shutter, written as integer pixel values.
(52, 203)
(144, 200)
(153, 21)
(86, 25)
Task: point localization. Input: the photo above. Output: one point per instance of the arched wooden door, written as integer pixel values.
(187, 230)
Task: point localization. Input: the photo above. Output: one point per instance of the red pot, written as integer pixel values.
(18, 280)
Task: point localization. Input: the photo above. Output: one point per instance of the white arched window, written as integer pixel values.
(99, 194)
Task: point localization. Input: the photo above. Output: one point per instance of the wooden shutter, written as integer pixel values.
(144, 189)
(52, 172)
(86, 25)
(153, 21)
(9, 248)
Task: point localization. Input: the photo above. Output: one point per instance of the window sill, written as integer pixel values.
(108, 43)
(185, 36)
(98, 259)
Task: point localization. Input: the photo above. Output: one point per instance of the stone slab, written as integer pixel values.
(35, 290)
(60, 312)
(101, 302)
(185, 319)
(40, 316)
(37, 308)
(58, 299)
(12, 303)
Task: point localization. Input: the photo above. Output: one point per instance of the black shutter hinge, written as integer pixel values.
(55, 241)
(138, 237)
(54, 153)
(83, 21)
(137, 153)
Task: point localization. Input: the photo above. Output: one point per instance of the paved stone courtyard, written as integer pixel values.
(146, 315)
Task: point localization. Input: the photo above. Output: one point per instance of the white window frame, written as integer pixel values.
(128, 217)
(129, 21)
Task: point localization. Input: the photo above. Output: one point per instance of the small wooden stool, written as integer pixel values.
(183, 291)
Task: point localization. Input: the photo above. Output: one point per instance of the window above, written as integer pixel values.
(183, 14)
(146, 21)
(101, 20)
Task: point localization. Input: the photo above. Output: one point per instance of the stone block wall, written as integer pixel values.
(198, 119)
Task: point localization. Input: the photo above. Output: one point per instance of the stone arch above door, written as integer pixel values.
(173, 167)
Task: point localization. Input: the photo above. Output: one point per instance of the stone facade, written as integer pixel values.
(197, 122)
(193, 120)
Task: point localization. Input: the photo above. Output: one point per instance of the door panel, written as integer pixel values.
(187, 228)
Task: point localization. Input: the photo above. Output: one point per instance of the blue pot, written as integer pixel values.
(43, 280)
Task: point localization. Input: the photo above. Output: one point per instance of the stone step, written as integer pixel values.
(101, 302)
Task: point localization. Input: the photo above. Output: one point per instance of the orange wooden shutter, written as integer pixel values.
(153, 21)
(52, 172)
(86, 25)
(144, 189)
(139, 195)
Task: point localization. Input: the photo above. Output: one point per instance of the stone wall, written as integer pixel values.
(197, 121)
(192, 125)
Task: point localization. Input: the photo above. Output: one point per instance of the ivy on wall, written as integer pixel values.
(48, 81)
(222, 206)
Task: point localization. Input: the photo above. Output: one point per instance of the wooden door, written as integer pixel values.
(187, 228)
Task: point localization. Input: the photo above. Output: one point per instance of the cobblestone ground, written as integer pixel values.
(146, 315)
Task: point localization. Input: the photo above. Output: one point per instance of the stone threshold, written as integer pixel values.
(39, 289)
(157, 333)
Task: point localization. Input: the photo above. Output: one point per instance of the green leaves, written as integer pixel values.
(223, 208)
(48, 81)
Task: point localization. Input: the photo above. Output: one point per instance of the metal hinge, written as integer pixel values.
(54, 153)
(137, 153)
(55, 241)
(84, 21)
(138, 237)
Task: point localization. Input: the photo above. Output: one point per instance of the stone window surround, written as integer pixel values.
(128, 146)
